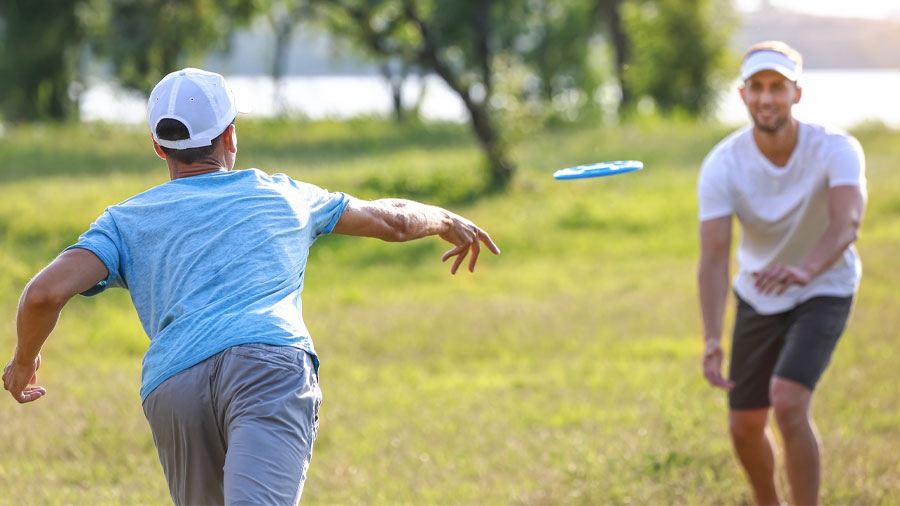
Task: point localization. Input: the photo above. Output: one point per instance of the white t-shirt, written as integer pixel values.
(782, 211)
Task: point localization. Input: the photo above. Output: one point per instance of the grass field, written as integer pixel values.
(564, 371)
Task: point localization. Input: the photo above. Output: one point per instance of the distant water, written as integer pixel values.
(841, 98)
(313, 97)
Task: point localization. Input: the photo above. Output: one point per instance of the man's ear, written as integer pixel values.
(230, 138)
(799, 95)
(156, 147)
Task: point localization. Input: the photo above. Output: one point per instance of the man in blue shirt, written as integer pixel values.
(214, 261)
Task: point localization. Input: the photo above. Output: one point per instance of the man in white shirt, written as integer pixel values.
(798, 191)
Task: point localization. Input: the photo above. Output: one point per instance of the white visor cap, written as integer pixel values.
(197, 98)
(767, 59)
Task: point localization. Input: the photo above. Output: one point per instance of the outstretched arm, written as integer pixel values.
(399, 220)
(712, 284)
(846, 205)
(72, 272)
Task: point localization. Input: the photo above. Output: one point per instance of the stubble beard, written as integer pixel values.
(773, 127)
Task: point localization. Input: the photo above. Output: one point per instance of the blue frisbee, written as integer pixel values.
(602, 169)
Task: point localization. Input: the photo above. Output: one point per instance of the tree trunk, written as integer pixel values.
(500, 168)
(284, 28)
(395, 82)
(482, 48)
(620, 46)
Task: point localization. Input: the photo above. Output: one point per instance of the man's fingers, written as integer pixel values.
(712, 368)
(460, 253)
(6, 370)
(31, 394)
(473, 245)
(715, 379)
(458, 260)
(476, 249)
(779, 279)
(452, 252)
(486, 239)
(725, 385)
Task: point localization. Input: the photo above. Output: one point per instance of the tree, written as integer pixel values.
(144, 39)
(451, 38)
(395, 73)
(611, 11)
(557, 48)
(563, 51)
(39, 44)
(679, 51)
(285, 16)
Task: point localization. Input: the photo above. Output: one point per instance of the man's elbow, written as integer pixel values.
(42, 294)
(853, 234)
(851, 229)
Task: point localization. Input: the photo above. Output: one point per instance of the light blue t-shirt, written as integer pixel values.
(213, 261)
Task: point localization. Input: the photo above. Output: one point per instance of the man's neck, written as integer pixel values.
(778, 146)
(178, 170)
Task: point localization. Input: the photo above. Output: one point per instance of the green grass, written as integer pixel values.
(565, 371)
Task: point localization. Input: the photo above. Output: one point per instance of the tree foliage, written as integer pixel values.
(39, 44)
(555, 45)
(145, 39)
(510, 62)
(455, 39)
(680, 48)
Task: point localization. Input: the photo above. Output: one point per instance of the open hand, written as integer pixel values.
(778, 278)
(713, 357)
(18, 376)
(466, 237)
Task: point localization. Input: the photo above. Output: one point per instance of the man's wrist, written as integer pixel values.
(713, 347)
(20, 359)
(809, 270)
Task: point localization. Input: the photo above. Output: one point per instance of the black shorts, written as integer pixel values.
(794, 345)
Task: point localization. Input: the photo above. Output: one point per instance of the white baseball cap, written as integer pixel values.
(769, 59)
(198, 99)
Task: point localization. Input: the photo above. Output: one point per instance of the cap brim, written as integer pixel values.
(789, 74)
(241, 106)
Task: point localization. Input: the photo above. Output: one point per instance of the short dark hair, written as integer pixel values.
(169, 129)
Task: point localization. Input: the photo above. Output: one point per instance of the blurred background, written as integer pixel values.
(495, 65)
(565, 371)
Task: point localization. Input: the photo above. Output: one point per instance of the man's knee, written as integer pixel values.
(790, 403)
(747, 425)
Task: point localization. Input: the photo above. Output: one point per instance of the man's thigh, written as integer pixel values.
(181, 413)
(271, 421)
(816, 326)
(757, 341)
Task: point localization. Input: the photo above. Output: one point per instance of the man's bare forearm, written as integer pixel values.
(712, 284)
(36, 318)
(411, 220)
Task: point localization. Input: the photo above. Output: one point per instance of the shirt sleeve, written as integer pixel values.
(102, 239)
(846, 164)
(713, 196)
(328, 210)
(325, 207)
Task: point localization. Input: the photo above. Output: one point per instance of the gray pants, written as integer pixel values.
(239, 427)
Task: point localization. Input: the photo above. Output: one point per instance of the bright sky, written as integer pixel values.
(848, 8)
